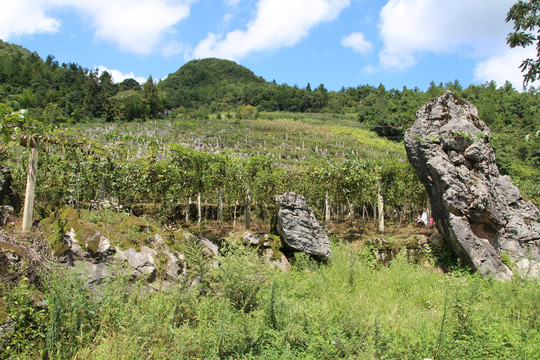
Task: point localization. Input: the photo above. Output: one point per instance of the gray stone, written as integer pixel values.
(94, 272)
(143, 261)
(174, 265)
(299, 228)
(250, 239)
(282, 264)
(6, 211)
(209, 247)
(437, 240)
(93, 237)
(8, 196)
(479, 212)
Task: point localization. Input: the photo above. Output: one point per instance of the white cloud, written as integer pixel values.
(409, 28)
(505, 67)
(278, 23)
(369, 69)
(357, 42)
(25, 17)
(136, 26)
(118, 76)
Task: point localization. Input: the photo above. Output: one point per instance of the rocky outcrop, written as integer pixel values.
(299, 228)
(8, 196)
(415, 249)
(269, 248)
(78, 242)
(477, 210)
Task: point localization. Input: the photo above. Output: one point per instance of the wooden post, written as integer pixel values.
(30, 186)
(188, 204)
(101, 195)
(248, 209)
(199, 210)
(380, 206)
(220, 206)
(234, 214)
(327, 208)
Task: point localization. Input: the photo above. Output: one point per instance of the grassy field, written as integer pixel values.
(346, 308)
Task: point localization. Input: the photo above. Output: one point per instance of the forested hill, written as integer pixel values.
(68, 93)
(209, 81)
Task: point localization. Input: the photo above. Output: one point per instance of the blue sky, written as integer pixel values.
(334, 42)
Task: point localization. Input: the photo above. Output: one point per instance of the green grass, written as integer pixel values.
(342, 309)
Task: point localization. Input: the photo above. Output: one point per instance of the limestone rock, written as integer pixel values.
(476, 209)
(282, 264)
(174, 265)
(6, 211)
(250, 239)
(8, 196)
(143, 261)
(94, 272)
(299, 228)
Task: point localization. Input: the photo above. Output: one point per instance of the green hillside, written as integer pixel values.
(208, 73)
(222, 83)
(211, 89)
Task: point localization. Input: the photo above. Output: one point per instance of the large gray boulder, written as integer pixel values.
(299, 228)
(479, 212)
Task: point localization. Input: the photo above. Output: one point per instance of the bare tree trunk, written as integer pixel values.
(248, 209)
(380, 206)
(30, 189)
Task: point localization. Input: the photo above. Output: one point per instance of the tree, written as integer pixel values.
(526, 17)
(151, 98)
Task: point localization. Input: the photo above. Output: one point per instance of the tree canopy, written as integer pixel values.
(525, 15)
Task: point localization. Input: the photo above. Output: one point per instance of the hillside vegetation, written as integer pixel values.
(204, 150)
(67, 93)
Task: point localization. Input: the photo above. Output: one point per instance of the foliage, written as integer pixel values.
(525, 15)
(23, 306)
(295, 315)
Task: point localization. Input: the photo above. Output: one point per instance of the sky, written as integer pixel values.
(338, 43)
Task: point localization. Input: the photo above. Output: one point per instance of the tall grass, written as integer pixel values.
(340, 309)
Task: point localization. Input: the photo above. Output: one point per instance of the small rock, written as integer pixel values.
(250, 239)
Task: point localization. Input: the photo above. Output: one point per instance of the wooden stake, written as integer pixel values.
(380, 206)
(248, 209)
(30, 188)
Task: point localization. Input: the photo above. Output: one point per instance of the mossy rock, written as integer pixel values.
(56, 226)
(176, 241)
(14, 251)
(132, 232)
(276, 245)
